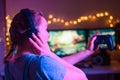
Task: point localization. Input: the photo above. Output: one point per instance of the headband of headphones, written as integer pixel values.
(29, 16)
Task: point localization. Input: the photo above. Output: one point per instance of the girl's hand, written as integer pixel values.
(91, 42)
(40, 45)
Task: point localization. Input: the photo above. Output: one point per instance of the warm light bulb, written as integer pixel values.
(54, 20)
(111, 17)
(7, 17)
(90, 16)
(62, 21)
(79, 20)
(7, 39)
(101, 14)
(74, 22)
(109, 21)
(7, 43)
(85, 18)
(118, 46)
(82, 18)
(93, 17)
(106, 13)
(71, 22)
(98, 15)
(117, 21)
(9, 21)
(50, 16)
(111, 25)
(49, 22)
(7, 34)
(66, 23)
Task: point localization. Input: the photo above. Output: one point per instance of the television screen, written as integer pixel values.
(107, 31)
(66, 42)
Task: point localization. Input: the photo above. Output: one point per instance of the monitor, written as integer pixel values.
(67, 42)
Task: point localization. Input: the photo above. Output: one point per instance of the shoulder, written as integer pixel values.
(52, 68)
(47, 61)
(47, 67)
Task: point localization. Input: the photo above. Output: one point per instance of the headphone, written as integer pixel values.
(32, 28)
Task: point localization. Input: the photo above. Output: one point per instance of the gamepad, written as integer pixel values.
(104, 39)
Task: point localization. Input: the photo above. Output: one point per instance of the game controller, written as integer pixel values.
(104, 39)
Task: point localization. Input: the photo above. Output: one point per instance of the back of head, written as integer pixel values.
(22, 26)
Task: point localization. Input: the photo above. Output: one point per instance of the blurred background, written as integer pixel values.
(76, 19)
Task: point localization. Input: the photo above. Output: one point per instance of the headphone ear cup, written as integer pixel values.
(28, 33)
(29, 17)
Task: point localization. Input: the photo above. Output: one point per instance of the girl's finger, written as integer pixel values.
(39, 37)
(36, 39)
(33, 43)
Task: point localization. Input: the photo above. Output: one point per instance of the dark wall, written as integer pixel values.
(2, 35)
(68, 10)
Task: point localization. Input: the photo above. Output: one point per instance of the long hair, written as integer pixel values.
(19, 26)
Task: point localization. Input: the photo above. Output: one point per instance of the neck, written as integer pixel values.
(27, 49)
(23, 49)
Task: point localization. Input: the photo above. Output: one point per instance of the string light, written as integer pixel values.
(8, 21)
(52, 19)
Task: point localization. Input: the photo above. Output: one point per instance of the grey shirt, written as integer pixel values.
(35, 67)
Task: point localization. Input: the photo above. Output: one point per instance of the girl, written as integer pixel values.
(30, 57)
